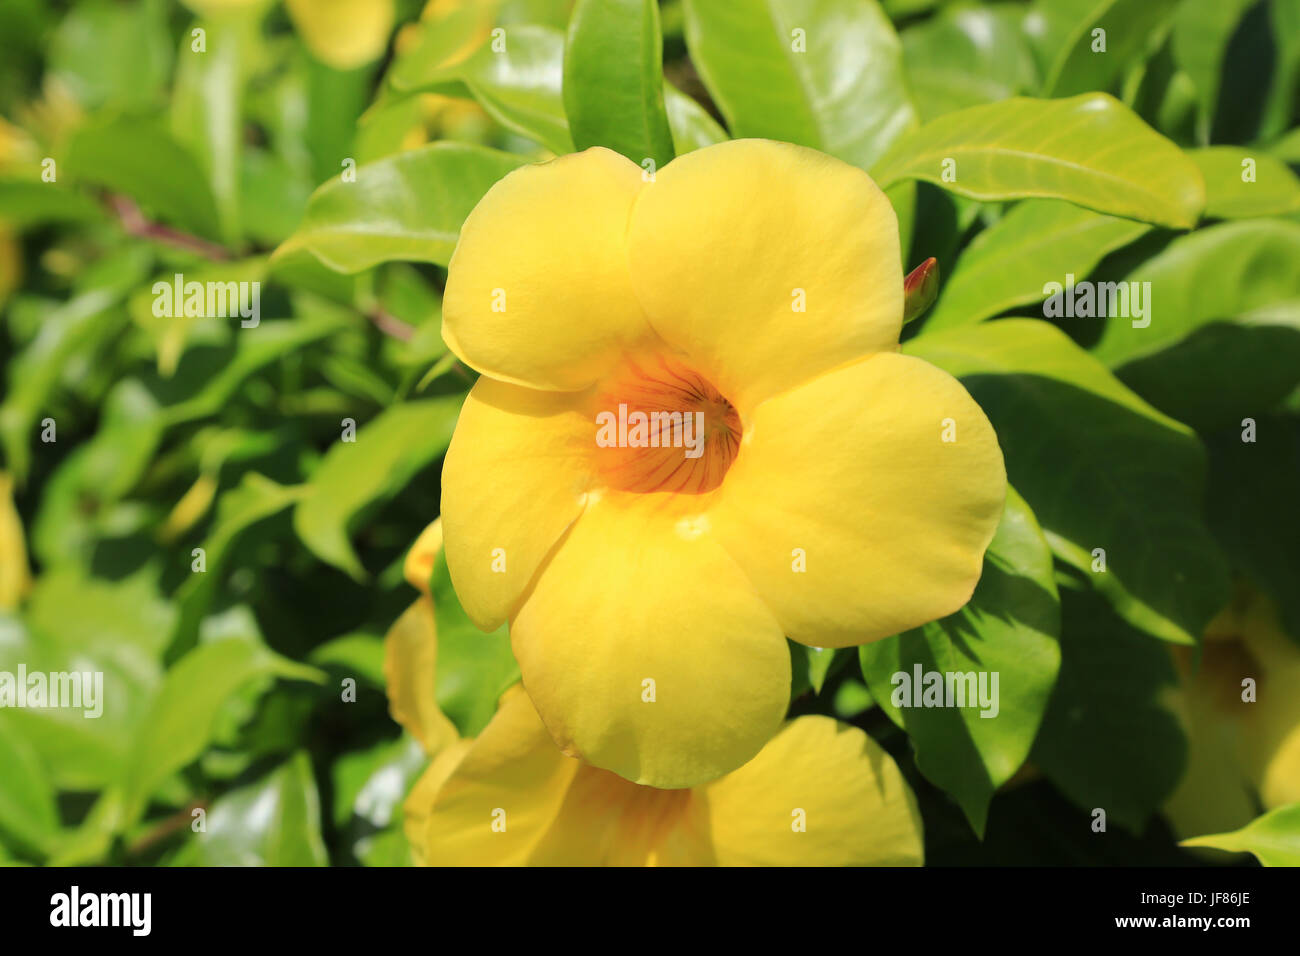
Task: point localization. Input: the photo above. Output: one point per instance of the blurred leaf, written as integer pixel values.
(113, 53)
(183, 715)
(1275, 190)
(692, 126)
(1134, 487)
(1010, 629)
(821, 73)
(613, 79)
(1004, 266)
(1110, 739)
(1090, 150)
(517, 77)
(30, 202)
(1128, 26)
(354, 654)
(206, 109)
(1202, 31)
(966, 55)
(28, 815)
(1274, 838)
(407, 206)
(1253, 264)
(138, 157)
(274, 822)
(387, 453)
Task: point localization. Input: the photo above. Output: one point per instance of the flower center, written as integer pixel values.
(662, 427)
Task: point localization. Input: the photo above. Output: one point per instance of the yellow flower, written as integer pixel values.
(818, 793)
(344, 34)
(1242, 754)
(756, 289)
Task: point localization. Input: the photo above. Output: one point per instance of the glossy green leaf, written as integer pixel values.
(613, 79)
(273, 822)
(1274, 838)
(1005, 265)
(1009, 629)
(1090, 150)
(1111, 739)
(386, 453)
(1217, 273)
(1244, 183)
(1135, 482)
(408, 206)
(820, 73)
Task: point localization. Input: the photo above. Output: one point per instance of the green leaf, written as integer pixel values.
(28, 815)
(1090, 150)
(1005, 265)
(1111, 738)
(206, 114)
(820, 73)
(407, 206)
(964, 56)
(353, 654)
(1009, 628)
(1274, 838)
(107, 53)
(386, 453)
(183, 715)
(474, 668)
(614, 80)
(1252, 265)
(274, 822)
(1202, 31)
(1129, 26)
(30, 202)
(1274, 190)
(692, 126)
(138, 157)
(517, 78)
(1134, 484)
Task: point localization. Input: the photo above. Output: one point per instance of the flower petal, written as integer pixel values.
(502, 795)
(730, 240)
(848, 794)
(515, 477)
(418, 566)
(410, 660)
(538, 291)
(849, 477)
(633, 595)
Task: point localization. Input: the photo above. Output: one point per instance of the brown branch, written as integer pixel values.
(166, 827)
(136, 224)
(390, 324)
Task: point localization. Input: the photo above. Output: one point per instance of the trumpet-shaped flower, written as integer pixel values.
(694, 437)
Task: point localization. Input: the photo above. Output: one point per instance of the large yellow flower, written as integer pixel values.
(818, 793)
(754, 288)
(1243, 754)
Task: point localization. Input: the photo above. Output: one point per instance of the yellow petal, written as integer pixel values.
(503, 794)
(730, 241)
(410, 661)
(515, 477)
(344, 34)
(821, 793)
(647, 651)
(538, 291)
(417, 809)
(15, 575)
(849, 477)
(418, 567)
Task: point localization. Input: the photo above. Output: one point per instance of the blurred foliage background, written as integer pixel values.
(214, 138)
